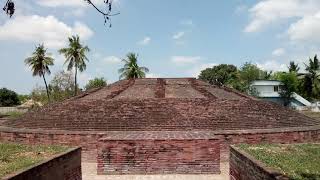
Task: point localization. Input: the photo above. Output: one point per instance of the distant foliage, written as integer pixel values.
(23, 98)
(96, 83)
(60, 87)
(311, 79)
(8, 97)
(230, 76)
(293, 67)
(219, 75)
(289, 84)
(131, 69)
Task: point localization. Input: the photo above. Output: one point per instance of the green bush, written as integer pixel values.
(8, 98)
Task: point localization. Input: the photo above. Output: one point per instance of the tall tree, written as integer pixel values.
(219, 75)
(289, 83)
(76, 58)
(312, 78)
(39, 63)
(131, 69)
(293, 67)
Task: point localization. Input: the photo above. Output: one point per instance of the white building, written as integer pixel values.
(269, 90)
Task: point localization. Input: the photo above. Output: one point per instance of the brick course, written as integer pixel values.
(162, 105)
(158, 156)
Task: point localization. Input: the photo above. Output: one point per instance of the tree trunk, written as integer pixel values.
(75, 81)
(45, 82)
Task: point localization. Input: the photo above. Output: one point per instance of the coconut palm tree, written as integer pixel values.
(76, 58)
(39, 63)
(131, 69)
(312, 78)
(293, 67)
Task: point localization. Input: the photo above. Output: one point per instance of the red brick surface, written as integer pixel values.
(158, 156)
(162, 105)
(140, 110)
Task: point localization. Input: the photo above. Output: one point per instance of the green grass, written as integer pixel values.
(14, 157)
(298, 161)
(14, 114)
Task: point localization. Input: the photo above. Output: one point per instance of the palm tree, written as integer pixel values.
(293, 67)
(39, 63)
(75, 55)
(131, 69)
(312, 78)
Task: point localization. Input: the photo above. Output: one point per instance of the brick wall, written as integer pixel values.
(89, 140)
(66, 166)
(245, 167)
(159, 156)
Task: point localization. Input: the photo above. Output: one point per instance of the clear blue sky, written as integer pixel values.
(173, 38)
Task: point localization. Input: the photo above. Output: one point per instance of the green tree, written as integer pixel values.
(8, 97)
(222, 74)
(293, 67)
(131, 69)
(61, 86)
(76, 58)
(96, 83)
(39, 63)
(311, 82)
(289, 83)
(250, 72)
(23, 98)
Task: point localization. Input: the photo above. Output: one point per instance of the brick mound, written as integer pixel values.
(161, 105)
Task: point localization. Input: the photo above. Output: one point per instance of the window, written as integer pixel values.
(276, 88)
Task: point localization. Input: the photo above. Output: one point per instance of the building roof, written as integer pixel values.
(266, 83)
(161, 105)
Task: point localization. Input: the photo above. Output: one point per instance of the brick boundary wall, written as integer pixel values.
(159, 156)
(245, 167)
(88, 140)
(64, 166)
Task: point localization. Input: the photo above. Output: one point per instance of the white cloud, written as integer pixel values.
(195, 71)
(145, 41)
(112, 60)
(37, 29)
(268, 12)
(68, 3)
(178, 35)
(187, 22)
(184, 60)
(272, 65)
(152, 75)
(306, 29)
(84, 78)
(279, 52)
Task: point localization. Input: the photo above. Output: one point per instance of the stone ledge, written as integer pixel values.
(191, 134)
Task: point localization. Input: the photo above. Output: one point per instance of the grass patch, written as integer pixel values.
(13, 114)
(298, 161)
(14, 157)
